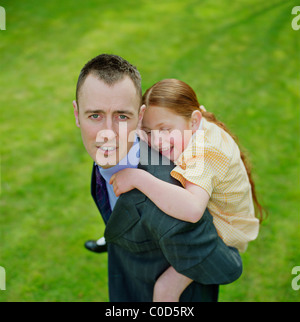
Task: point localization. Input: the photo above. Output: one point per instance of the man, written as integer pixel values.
(142, 241)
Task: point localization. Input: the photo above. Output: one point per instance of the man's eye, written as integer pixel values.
(123, 117)
(94, 116)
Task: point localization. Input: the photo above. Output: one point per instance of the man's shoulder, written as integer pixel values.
(155, 163)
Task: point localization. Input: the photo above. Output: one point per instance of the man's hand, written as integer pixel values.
(124, 180)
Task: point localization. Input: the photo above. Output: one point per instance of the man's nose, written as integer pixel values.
(107, 133)
(104, 136)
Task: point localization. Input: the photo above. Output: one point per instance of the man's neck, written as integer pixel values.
(131, 160)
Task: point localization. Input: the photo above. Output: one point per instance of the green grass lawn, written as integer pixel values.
(241, 57)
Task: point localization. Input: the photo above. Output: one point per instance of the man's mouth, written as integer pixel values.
(107, 150)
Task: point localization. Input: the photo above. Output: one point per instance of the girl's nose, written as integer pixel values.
(157, 139)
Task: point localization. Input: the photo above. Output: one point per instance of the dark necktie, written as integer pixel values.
(102, 196)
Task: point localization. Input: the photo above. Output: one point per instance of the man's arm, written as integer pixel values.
(196, 251)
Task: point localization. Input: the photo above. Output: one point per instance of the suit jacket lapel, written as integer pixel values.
(125, 214)
(100, 194)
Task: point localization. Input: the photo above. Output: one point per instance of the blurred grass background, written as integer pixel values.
(241, 57)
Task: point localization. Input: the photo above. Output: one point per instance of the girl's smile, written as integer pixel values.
(167, 132)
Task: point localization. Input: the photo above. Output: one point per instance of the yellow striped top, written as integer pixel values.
(212, 161)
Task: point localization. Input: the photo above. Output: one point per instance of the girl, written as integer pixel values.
(211, 168)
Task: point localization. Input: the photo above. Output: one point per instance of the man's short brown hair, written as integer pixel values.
(110, 69)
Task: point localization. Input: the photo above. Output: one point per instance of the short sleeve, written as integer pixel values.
(205, 170)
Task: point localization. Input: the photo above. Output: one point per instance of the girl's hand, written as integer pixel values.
(123, 181)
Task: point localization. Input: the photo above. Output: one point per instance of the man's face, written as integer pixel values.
(108, 117)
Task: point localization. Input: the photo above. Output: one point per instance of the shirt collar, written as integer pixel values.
(189, 152)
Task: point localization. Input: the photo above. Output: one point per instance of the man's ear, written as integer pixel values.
(141, 115)
(196, 120)
(76, 113)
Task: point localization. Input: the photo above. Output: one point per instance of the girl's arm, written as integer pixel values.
(187, 204)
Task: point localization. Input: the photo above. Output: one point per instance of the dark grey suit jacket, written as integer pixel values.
(143, 242)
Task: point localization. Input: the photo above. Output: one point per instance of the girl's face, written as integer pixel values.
(167, 132)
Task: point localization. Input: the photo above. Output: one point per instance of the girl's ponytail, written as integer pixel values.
(210, 117)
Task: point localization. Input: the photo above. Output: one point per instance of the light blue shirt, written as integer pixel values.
(131, 160)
